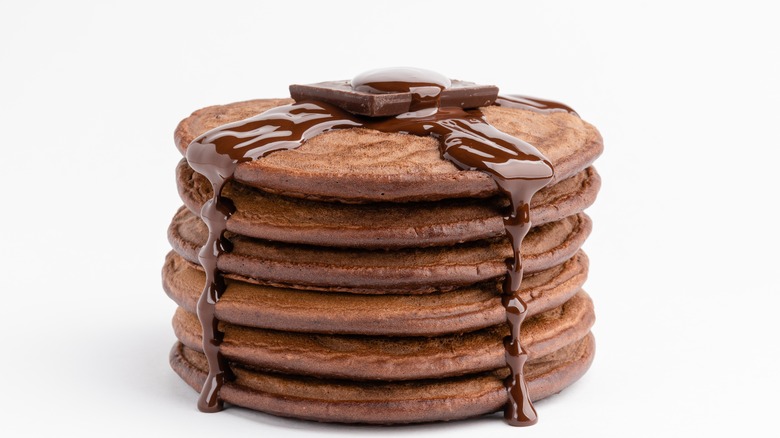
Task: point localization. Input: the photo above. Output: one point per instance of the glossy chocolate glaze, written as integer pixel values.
(399, 80)
(425, 85)
(215, 155)
(466, 139)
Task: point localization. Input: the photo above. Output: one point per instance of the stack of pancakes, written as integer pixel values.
(365, 273)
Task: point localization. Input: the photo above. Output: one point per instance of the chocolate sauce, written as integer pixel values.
(466, 139)
(425, 85)
(215, 155)
(399, 80)
(532, 103)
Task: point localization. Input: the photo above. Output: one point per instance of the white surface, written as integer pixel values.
(683, 253)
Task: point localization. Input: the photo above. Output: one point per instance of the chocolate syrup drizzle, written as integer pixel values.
(466, 139)
(533, 104)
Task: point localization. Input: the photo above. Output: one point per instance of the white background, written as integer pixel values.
(684, 250)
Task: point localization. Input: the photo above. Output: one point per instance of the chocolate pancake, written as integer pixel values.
(359, 165)
(391, 358)
(381, 225)
(461, 310)
(375, 271)
(381, 402)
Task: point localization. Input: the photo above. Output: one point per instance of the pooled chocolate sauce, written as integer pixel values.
(466, 139)
(425, 85)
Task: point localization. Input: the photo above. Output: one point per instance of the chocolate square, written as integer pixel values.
(340, 93)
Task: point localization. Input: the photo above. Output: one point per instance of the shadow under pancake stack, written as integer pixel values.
(398, 248)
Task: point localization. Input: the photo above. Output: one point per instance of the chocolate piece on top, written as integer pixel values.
(341, 94)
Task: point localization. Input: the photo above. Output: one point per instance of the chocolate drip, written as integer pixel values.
(466, 139)
(532, 103)
(215, 155)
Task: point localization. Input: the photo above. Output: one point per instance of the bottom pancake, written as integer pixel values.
(386, 403)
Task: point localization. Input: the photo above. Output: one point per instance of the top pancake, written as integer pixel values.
(362, 165)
